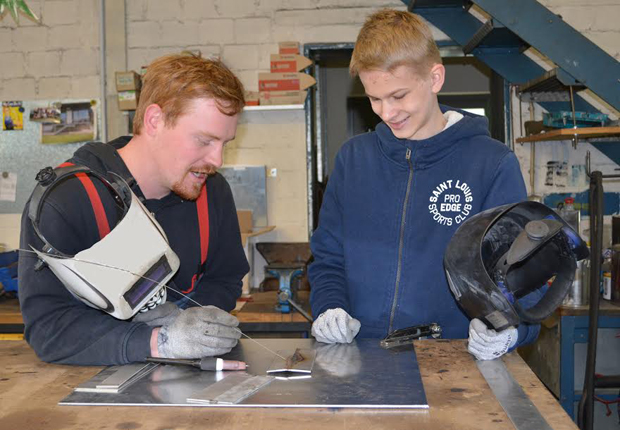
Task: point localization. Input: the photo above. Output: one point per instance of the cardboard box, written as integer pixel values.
(288, 48)
(282, 97)
(128, 100)
(284, 81)
(127, 81)
(289, 63)
(251, 98)
(245, 221)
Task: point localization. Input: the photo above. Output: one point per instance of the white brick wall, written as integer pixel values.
(43, 63)
(220, 31)
(52, 60)
(60, 59)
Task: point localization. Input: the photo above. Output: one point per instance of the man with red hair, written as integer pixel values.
(187, 112)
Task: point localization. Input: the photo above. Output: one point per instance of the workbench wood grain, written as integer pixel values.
(259, 309)
(262, 309)
(458, 395)
(10, 313)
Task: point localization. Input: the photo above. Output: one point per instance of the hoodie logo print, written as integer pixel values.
(450, 202)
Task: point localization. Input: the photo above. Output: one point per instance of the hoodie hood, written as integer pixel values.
(103, 157)
(426, 152)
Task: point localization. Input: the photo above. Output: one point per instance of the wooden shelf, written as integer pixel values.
(274, 107)
(568, 133)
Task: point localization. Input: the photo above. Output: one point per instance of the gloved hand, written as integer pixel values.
(163, 314)
(198, 332)
(486, 344)
(335, 326)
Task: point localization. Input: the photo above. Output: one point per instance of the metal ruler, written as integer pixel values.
(508, 392)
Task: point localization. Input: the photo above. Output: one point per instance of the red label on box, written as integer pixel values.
(284, 66)
(279, 85)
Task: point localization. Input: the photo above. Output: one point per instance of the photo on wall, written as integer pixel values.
(49, 114)
(77, 124)
(12, 115)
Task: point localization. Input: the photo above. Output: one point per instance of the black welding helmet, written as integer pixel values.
(502, 254)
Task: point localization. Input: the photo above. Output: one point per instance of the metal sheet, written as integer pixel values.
(21, 152)
(508, 392)
(357, 375)
(248, 186)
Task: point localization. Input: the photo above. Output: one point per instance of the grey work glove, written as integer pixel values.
(199, 332)
(487, 344)
(160, 315)
(335, 326)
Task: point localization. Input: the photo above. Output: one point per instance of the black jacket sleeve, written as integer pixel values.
(226, 264)
(59, 327)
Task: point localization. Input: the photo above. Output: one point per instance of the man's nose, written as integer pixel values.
(215, 156)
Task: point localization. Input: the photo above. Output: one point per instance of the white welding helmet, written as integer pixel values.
(123, 273)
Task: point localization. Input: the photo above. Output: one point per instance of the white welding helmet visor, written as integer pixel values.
(127, 270)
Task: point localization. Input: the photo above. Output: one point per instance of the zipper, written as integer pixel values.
(401, 240)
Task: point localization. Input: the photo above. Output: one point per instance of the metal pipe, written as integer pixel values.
(572, 107)
(103, 72)
(585, 416)
(607, 381)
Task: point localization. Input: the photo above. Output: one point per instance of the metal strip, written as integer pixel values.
(231, 390)
(508, 392)
(124, 375)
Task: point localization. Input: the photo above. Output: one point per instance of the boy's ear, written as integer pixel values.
(438, 76)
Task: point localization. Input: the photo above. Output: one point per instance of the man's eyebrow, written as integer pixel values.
(207, 135)
(213, 137)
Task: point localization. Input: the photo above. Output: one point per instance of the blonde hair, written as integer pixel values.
(392, 38)
(173, 81)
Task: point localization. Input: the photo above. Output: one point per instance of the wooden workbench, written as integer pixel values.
(458, 396)
(257, 314)
(9, 312)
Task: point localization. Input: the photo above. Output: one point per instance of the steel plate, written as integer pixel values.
(357, 375)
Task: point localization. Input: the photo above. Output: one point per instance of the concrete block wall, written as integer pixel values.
(277, 140)
(58, 59)
(243, 33)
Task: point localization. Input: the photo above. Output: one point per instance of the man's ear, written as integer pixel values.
(438, 76)
(153, 119)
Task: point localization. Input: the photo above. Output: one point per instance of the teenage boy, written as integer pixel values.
(397, 195)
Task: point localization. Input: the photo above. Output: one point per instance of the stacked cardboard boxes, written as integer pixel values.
(285, 84)
(128, 88)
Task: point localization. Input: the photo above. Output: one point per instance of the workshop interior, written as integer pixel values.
(545, 75)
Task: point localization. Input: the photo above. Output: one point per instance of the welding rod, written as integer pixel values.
(205, 363)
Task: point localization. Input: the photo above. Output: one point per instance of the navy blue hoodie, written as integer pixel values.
(389, 211)
(62, 329)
